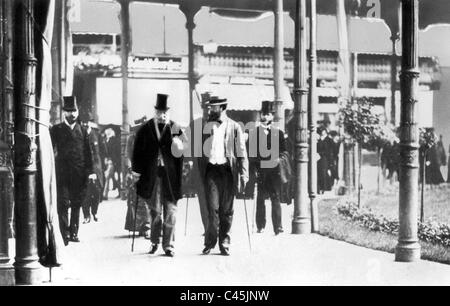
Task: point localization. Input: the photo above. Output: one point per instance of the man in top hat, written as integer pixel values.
(94, 194)
(225, 173)
(266, 148)
(74, 168)
(157, 166)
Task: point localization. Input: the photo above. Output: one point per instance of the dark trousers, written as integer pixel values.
(219, 197)
(162, 208)
(269, 184)
(70, 197)
(92, 200)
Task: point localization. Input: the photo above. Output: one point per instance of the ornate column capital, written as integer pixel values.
(190, 10)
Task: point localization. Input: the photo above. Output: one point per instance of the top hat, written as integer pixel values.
(215, 100)
(161, 102)
(267, 107)
(138, 123)
(91, 117)
(70, 104)
(141, 120)
(206, 97)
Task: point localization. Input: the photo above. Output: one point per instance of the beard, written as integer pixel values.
(214, 116)
(71, 119)
(266, 122)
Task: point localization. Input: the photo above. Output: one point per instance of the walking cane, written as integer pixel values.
(253, 215)
(187, 209)
(135, 222)
(248, 227)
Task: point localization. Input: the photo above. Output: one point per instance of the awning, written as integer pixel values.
(246, 97)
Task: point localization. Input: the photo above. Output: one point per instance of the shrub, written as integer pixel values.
(433, 232)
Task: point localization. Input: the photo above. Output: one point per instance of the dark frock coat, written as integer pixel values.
(145, 161)
(73, 156)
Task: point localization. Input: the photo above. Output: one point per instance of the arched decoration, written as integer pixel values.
(240, 14)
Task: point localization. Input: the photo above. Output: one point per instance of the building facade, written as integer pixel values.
(244, 74)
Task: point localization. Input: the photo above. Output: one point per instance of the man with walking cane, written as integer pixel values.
(157, 166)
(227, 168)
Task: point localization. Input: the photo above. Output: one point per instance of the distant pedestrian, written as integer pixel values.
(334, 163)
(390, 160)
(268, 176)
(325, 149)
(433, 173)
(95, 187)
(441, 154)
(113, 146)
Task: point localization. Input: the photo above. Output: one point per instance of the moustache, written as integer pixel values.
(214, 115)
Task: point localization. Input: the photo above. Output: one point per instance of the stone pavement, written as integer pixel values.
(104, 257)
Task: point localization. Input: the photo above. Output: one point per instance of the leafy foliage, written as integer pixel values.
(362, 125)
(428, 138)
(433, 232)
(382, 136)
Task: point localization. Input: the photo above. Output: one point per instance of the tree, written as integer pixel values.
(361, 125)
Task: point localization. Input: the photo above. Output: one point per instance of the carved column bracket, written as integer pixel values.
(190, 10)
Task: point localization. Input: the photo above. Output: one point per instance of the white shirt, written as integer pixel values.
(217, 153)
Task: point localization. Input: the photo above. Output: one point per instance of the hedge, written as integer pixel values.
(432, 232)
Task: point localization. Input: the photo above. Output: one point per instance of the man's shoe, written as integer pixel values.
(74, 239)
(66, 240)
(206, 250)
(87, 220)
(95, 218)
(260, 230)
(225, 252)
(153, 249)
(170, 253)
(279, 231)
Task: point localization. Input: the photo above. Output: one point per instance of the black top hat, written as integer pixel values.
(161, 102)
(140, 121)
(215, 100)
(206, 96)
(70, 104)
(90, 117)
(267, 107)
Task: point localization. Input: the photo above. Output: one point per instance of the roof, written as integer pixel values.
(147, 26)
